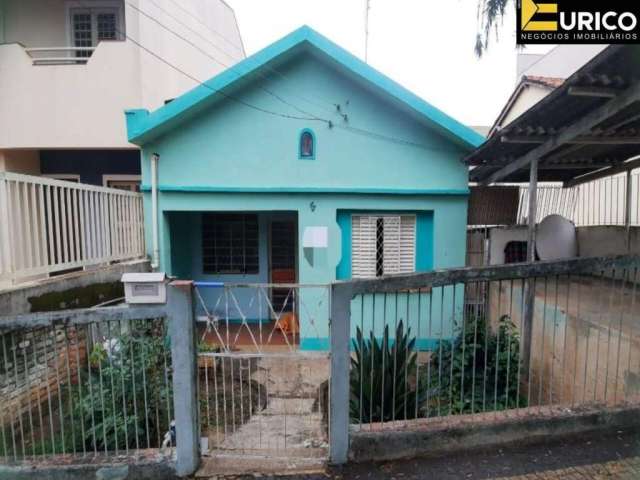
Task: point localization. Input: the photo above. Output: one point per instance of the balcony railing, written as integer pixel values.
(60, 55)
(49, 226)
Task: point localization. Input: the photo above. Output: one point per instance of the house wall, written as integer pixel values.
(181, 255)
(81, 106)
(234, 147)
(230, 157)
(530, 95)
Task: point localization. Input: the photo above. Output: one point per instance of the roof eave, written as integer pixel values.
(142, 126)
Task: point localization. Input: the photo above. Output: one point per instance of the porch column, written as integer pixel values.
(533, 208)
(530, 285)
(627, 209)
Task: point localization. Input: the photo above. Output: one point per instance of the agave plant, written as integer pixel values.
(383, 377)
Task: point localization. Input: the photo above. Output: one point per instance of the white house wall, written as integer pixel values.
(530, 95)
(82, 106)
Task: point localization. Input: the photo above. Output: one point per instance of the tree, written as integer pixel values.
(490, 12)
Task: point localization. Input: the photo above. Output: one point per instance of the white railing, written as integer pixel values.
(60, 55)
(600, 202)
(48, 226)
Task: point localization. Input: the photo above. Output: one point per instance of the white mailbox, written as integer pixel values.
(145, 287)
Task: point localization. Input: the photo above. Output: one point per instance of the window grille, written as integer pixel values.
(230, 243)
(92, 25)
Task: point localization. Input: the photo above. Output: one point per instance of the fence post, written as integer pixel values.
(341, 295)
(6, 248)
(183, 352)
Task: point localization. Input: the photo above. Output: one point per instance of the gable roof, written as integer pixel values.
(142, 126)
(548, 83)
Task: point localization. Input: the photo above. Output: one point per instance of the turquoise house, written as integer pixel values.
(302, 165)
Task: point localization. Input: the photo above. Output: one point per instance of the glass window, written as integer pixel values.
(307, 144)
(92, 25)
(230, 243)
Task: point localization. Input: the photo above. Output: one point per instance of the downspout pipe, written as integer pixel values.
(155, 256)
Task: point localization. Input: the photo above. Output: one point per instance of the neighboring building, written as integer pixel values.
(311, 166)
(540, 74)
(68, 68)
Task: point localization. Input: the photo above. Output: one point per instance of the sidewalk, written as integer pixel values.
(600, 456)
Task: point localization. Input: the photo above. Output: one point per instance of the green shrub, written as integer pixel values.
(477, 371)
(110, 399)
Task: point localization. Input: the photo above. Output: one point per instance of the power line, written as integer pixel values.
(331, 124)
(207, 54)
(195, 32)
(204, 84)
(215, 32)
(366, 30)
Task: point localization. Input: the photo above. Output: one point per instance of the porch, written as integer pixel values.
(245, 268)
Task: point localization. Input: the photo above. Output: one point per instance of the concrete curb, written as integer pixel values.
(143, 470)
(444, 437)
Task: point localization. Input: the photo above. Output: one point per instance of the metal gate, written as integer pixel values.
(263, 373)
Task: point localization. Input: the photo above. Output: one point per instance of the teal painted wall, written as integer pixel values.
(231, 145)
(233, 158)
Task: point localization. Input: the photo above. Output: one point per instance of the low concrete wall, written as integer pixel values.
(461, 433)
(140, 470)
(74, 290)
(607, 240)
(585, 344)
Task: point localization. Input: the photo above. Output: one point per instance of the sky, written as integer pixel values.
(425, 45)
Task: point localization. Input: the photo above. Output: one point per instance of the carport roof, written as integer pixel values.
(587, 128)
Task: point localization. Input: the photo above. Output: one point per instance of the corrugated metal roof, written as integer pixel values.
(597, 89)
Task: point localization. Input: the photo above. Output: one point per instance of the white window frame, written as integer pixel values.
(402, 259)
(95, 6)
(106, 178)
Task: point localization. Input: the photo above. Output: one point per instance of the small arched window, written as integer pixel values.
(307, 145)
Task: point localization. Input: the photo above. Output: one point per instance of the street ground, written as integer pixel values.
(614, 455)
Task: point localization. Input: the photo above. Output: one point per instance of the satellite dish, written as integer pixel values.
(556, 238)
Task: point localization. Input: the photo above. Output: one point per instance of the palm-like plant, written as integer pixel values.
(383, 377)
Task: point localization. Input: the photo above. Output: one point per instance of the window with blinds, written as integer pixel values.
(230, 243)
(382, 245)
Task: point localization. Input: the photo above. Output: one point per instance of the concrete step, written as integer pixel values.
(264, 464)
(290, 406)
(299, 375)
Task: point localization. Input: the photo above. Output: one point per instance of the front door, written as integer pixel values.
(283, 235)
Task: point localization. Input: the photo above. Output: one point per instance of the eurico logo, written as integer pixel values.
(557, 22)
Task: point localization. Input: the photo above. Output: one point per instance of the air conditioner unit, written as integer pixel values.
(145, 287)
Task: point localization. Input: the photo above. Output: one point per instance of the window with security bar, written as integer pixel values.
(230, 243)
(89, 26)
(382, 245)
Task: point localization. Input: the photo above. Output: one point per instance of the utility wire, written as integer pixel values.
(215, 32)
(330, 123)
(198, 81)
(333, 106)
(207, 54)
